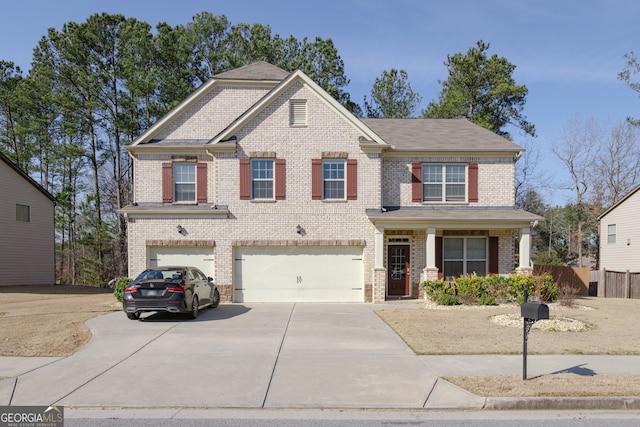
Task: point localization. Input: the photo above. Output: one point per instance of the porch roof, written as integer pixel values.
(495, 217)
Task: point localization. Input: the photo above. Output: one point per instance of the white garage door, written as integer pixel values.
(298, 274)
(199, 257)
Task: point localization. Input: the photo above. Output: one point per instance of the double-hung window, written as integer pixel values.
(611, 233)
(444, 183)
(262, 179)
(184, 182)
(464, 255)
(333, 179)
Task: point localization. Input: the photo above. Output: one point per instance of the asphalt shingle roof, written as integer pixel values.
(257, 71)
(438, 135)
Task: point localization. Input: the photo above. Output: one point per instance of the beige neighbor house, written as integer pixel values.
(27, 247)
(620, 234)
(270, 186)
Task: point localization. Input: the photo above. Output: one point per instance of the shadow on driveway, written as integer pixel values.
(222, 312)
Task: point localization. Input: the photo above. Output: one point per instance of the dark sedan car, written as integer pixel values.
(172, 289)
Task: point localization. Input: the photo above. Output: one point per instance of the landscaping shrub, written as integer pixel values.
(491, 290)
(447, 299)
(118, 290)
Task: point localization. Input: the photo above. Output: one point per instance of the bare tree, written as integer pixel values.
(578, 149)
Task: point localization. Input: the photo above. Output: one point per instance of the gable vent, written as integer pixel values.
(298, 112)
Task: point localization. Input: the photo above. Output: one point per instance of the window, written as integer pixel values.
(443, 183)
(611, 233)
(333, 179)
(262, 179)
(298, 112)
(23, 213)
(464, 255)
(184, 182)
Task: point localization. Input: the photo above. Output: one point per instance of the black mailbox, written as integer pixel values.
(534, 311)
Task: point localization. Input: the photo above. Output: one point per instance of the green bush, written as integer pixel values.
(490, 290)
(118, 290)
(447, 299)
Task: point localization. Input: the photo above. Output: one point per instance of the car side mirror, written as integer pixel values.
(210, 279)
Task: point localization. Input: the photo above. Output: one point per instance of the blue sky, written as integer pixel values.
(567, 52)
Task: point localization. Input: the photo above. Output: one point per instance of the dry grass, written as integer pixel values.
(49, 320)
(612, 329)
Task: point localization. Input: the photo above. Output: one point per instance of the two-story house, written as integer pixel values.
(275, 190)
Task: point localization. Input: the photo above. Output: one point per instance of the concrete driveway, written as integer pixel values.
(257, 356)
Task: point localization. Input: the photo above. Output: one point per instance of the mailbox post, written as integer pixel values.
(531, 312)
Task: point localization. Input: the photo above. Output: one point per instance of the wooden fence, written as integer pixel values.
(618, 284)
(576, 277)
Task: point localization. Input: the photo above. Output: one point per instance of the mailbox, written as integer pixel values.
(534, 311)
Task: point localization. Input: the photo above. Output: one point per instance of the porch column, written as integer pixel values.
(379, 290)
(379, 240)
(431, 247)
(430, 272)
(524, 263)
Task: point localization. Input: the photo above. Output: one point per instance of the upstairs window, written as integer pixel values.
(184, 182)
(262, 179)
(611, 233)
(333, 179)
(23, 213)
(298, 112)
(444, 182)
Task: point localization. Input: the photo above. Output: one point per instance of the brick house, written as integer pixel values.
(271, 187)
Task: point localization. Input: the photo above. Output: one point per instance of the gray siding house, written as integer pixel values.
(275, 190)
(620, 235)
(27, 247)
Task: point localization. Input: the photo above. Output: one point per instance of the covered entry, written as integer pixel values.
(298, 274)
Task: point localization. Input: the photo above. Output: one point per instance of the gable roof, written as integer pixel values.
(278, 90)
(24, 175)
(619, 202)
(439, 135)
(257, 71)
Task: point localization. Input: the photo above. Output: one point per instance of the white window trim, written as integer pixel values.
(195, 184)
(443, 183)
(611, 237)
(272, 180)
(344, 180)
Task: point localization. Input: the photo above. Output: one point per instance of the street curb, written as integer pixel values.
(631, 403)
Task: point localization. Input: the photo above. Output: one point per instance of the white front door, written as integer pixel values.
(298, 274)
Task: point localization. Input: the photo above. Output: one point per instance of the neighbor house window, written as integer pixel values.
(443, 183)
(23, 213)
(464, 255)
(333, 179)
(611, 233)
(262, 179)
(184, 182)
(298, 112)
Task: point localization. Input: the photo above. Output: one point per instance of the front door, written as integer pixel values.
(398, 271)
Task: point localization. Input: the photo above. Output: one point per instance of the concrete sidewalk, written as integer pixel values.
(273, 356)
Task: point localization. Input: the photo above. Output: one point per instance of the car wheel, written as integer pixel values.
(194, 308)
(216, 298)
(134, 316)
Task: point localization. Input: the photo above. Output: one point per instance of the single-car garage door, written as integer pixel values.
(298, 274)
(200, 257)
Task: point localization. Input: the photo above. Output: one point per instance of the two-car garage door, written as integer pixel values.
(298, 274)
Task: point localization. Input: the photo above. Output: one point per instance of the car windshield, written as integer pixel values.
(160, 275)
